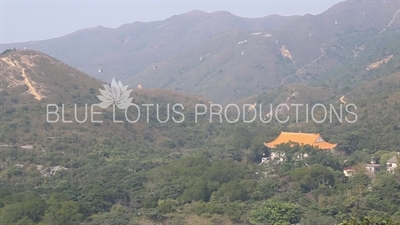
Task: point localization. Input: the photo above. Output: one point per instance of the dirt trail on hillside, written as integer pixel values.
(283, 81)
(302, 68)
(390, 23)
(31, 89)
(315, 60)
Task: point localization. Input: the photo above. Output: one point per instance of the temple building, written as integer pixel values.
(314, 140)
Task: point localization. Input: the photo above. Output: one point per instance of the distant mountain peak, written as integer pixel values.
(195, 12)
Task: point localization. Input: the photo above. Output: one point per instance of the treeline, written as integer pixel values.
(207, 190)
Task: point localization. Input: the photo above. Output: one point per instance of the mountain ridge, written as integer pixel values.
(147, 41)
(169, 51)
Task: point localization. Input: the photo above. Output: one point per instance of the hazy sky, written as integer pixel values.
(37, 20)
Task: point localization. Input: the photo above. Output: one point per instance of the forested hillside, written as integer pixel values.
(187, 173)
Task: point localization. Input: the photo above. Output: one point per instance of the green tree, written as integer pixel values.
(242, 138)
(166, 206)
(63, 213)
(276, 213)
(311, 218)
(28, 207)
(311, 178)
(233, 210)
(369, 221)
(117, 216)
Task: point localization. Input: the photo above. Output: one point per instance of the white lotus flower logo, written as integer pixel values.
(117, 94)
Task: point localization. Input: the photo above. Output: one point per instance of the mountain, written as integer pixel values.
(208, 170)
(375, 103)
(33, 86)
(348, 17)
(30, 76)
(214, 54)
(128, 49)
(348, 37)
(232, 65)
(184, 173)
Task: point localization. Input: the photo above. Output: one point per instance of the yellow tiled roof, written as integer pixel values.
(302, 139)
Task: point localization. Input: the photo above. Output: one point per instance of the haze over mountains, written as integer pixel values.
(131, 47)
(224, 57)
(202, 172)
